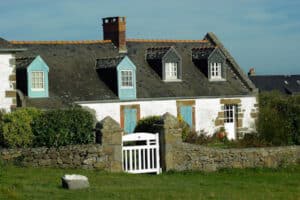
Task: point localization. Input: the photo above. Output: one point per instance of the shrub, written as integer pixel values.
(63, 127)
(148, 124)
(279, 119)
(16, 127)
(185, 128)
(197, 138)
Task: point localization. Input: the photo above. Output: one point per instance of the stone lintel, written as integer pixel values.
(230, 101)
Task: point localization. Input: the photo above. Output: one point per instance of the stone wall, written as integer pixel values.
(106, 156)
(194, 157)
(175, 154)
(76, 156)
(181, 156)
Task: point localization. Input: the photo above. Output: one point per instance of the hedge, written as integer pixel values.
(279, 118)
(63, 127)
(30, 127)
(148, 124)
(16, 130)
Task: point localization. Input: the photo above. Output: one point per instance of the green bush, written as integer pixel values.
(279, 119)
(16, 127)
(63, 127)
(148, 124)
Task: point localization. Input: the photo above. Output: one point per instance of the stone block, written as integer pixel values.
(73, 182)
(116, 166)
(89, 161)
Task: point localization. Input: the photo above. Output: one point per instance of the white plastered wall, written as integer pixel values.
(207, 110)
(6, 69)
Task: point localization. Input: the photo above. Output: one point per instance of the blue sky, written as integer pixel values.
(264, 34)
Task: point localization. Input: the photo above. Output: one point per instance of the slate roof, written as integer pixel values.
(154, 53)
(73, 76)
(24, 62)
(284, 84)
(7, 46)
(112, 62)
(202, 53)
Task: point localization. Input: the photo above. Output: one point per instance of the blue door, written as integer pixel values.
(187, 115)
(130, 115)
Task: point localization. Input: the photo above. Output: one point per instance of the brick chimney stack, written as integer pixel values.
(114, 29)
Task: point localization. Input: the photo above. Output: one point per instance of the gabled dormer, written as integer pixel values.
(211, 61)
(119, 74)
(32, 77)
(166, 61)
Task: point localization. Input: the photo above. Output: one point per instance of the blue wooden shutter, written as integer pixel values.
(186, 113)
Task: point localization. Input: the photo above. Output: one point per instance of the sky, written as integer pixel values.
(264, 34)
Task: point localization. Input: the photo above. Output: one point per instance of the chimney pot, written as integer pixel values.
(251, 72)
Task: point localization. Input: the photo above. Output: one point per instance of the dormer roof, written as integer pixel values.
(111, 62)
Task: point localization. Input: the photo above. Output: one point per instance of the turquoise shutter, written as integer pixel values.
(186, 113)
(129, 119)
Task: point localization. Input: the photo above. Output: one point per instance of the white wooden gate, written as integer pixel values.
(140, 153)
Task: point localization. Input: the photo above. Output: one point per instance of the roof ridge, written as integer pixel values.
(25, 57)
(161, 47)
(163, 40)
(60, 42)
(115, 57)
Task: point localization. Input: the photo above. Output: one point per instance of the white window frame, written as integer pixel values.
(216, 71)
(229, 113)
(127, 81)
(33, 82)
(171, 69)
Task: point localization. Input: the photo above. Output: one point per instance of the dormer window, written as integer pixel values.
(171, 71)
(126, 79)
(34, 72)
(216, 71)
(211, 61)
(166, 61)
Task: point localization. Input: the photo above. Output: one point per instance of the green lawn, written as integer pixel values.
(254, 184)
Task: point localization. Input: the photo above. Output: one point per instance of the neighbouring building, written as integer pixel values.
(286, 84)
(8, 92)
(129, 79)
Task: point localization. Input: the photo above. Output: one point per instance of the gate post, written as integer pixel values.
(112, 142)
(170, 136)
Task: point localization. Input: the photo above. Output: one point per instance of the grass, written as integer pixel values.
(45, 183)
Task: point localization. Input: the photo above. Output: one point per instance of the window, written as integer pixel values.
(171, 71)
(126, 78)
(215, 71)
(37, 80)
(228, 113)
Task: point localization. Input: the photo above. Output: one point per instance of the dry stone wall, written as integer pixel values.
(182, 156)
(106, 156)
(195, 157)
(76, 156)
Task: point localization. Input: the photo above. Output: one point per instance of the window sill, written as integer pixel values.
(217, 79)
(128, 87)
(37, 90)
(172, 80)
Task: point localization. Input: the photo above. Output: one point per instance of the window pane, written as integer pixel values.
(171, 70)
(37, 79)
(215, 70)
(126, 79)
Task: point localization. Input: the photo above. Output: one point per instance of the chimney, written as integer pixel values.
(114, 29)
(251, 72)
